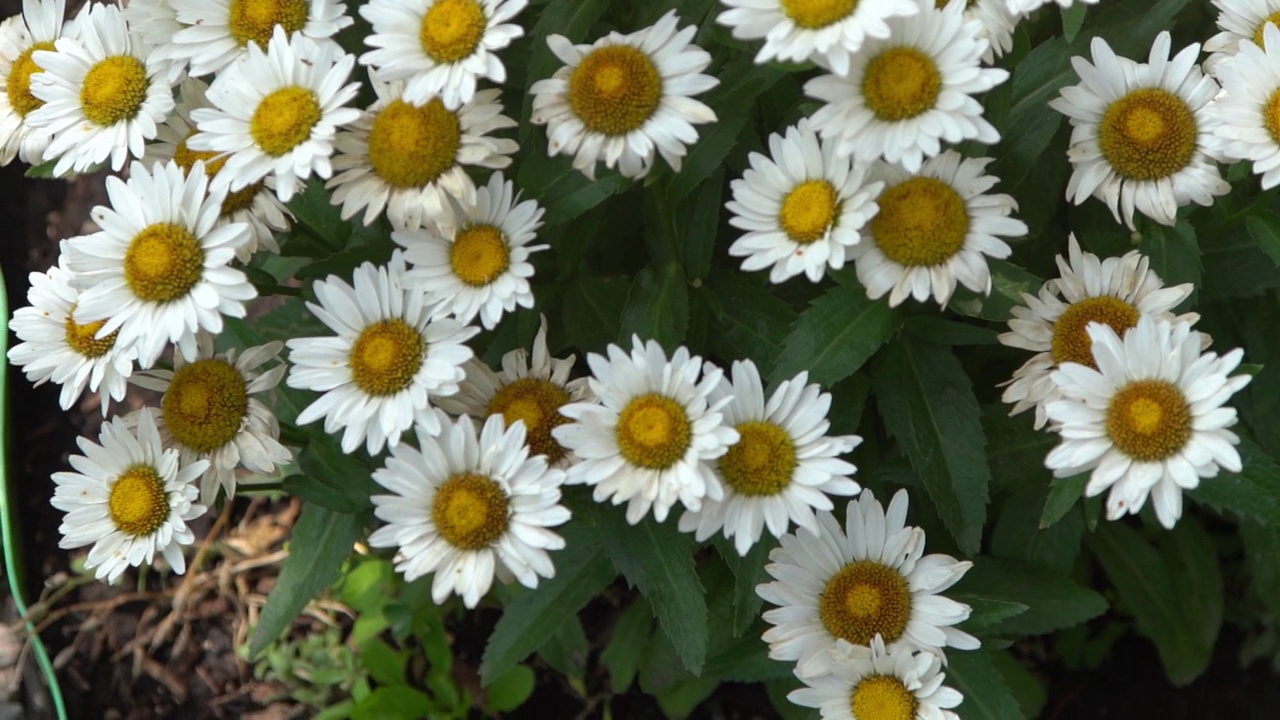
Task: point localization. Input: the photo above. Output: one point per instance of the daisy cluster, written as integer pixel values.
(220, 118)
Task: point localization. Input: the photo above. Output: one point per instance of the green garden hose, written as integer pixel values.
(6, 527)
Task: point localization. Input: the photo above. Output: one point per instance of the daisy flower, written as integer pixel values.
(651, 439)
(934, 229)
(828, 32)
(1115, 291)
(1246, 119)
(783, 465)
(103, 95)
(158, 271)
(465, 507)
(256, 205)
(55, 347)
(475, 260)
(410, 157)
(998, 23)
(871, 683)
(440, 47)
(530, 388)
(276, 113)
(624, 96)
(1026, 7)
(1149, 420)
(21, 36)
(803, 207)
(214, 33)
(209, 412)
(128, 497)
(386, 363)
(1139, 134)
(1241, 22)
(905, 94)
(874, 580)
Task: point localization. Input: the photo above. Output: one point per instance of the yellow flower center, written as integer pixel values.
(882, 697)
(114, 89)
(653, 432)
(809, 210)
(815, 14)
(452, 30)
(615, 89)
(1260, 32)
(537, 403)
(470, 511)
(1148, 134)
(1271, 116)
(255, 20)
(761, 462)
(138, 504)
(479, 254)
(284, 119)
(82, 338)
(1071, 342)
(163, 262)
(19, 87)
(922, 222)
(1149, 420)
(866, 597)
(205, 404)
(185, 158)
(900, 83)
(409, 147)
(386, 356)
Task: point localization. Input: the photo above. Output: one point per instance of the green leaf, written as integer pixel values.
(1262, 553)
(658, 559)
(509, 690)
(1174, 253)
(1063, 494)
(321, 540)
(593, 310)
(697, 218)
(928, 406)
(364, 587)
(986, 695)
(43, 171)
(566, 651)
(746, 660)
(1264, 228)
(534, 616)
(332, 477)
(986, 612)
(1052, 600)
(1253, 493)
(1152, 592)
(1008, 283)
(1073, 20)
(384, 664)
(1023, 143)
(1018, 535)
(1037, 78)
(626, 646)
(753, 322)
(1025, 685)
(398, 702)
(787, 710)
(574, 194)
(942, 331)
(680, 700)
(748, 572)
(657, 307)
(831, 339)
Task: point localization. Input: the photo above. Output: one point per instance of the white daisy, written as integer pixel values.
(828, 32)
(158, 271)
(529, 388)
(474, 261)
(1115, 291)
(55, 347)
(1241, 22)
(874, 580)
(386, 363)
(103, 95)
(1246, 119)
(803, 207)
(255, 205)
(934, 229)
(465, 507)
(214, 33)
(128, 497)
(1026, 7)
(209, 412)
(1149, 420)
(872, 683)
(783, 466)
(624, 96)
(276, 113)
(21, 36)
(409, 158)
(998, 23)
(1139, 135)
(905, 94)
(651, 440)
(440, 47)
